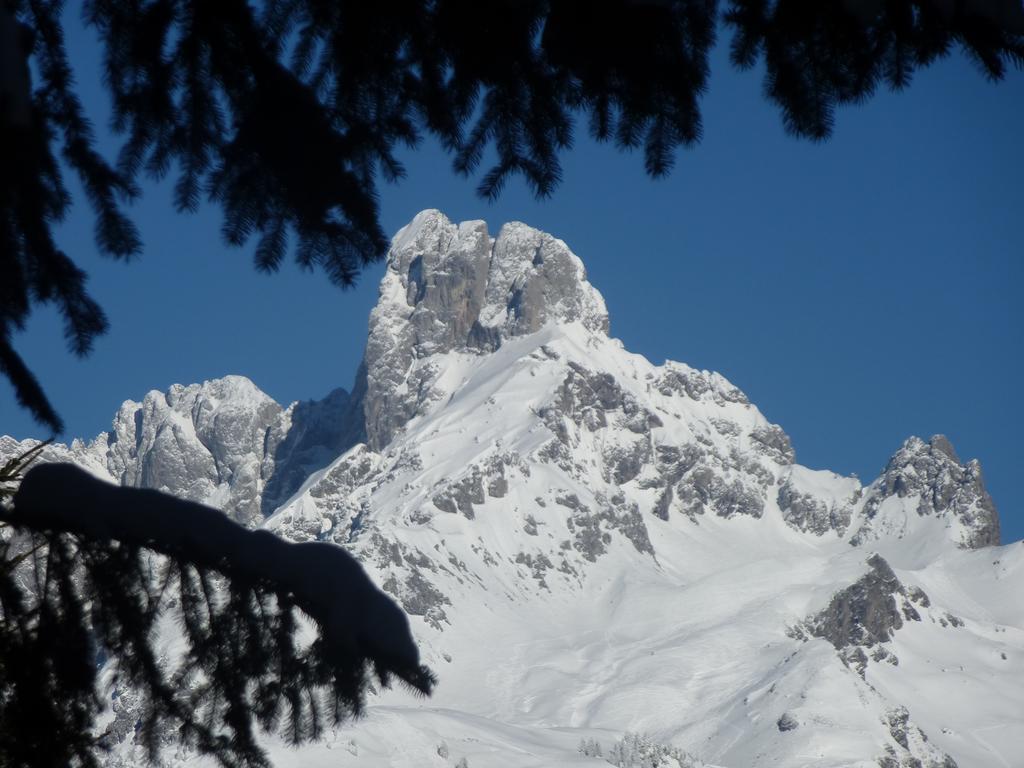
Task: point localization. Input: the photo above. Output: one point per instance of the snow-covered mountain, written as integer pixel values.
(589, 544)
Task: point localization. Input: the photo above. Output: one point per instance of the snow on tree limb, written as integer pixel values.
(328, 584)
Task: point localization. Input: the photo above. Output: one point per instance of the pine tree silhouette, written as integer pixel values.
(285, 113)
(97, 571)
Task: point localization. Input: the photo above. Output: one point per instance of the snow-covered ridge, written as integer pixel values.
(589, 544)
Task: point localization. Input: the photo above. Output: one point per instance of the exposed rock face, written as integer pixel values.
(929, 477)
(910, 747)
(460, 497)
(725, 475)
(591, 529)
(210, 442)
(698, 385)
(806, 507)
(866, 613)
(861, 620)
(453, 287)
(769, 440)
(224, 443)
(787, 723)
(315, 433)
(809, 513)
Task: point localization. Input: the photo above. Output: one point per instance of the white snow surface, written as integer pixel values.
(589, 544)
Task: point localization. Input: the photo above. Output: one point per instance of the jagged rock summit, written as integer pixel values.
(454, 287)
(589, 544)
(224, 442)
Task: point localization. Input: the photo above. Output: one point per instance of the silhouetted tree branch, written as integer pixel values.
(88, 584)
(285, 113)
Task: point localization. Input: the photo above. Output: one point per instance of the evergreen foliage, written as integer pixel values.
(637, 750)
(285, 113)
(73, 599)
(590, 748)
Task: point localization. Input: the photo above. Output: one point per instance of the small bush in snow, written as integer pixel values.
(637, 750)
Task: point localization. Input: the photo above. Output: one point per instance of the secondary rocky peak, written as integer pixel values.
(929, 476)
(452, 287)
(205, 442)
(223, 442)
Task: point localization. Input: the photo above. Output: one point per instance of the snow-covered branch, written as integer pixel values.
(354, 616)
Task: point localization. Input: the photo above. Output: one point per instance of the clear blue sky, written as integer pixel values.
(860, 291)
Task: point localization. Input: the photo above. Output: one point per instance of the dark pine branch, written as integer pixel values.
(285, 113)
(107, 562)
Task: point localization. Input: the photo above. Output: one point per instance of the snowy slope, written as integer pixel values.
(589, 544)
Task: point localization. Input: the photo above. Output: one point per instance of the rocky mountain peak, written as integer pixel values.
(452, 287)
(223, 442)
(915, 450)
(202, 441)
(929, 477)
(459, 287)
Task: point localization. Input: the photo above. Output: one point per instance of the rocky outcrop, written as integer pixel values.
(930, 479)
(864, 616)
(771, 441)
(681, 379)
(223, 443)
(704, 490)
(315, 433)
(807, 512)
(865, 613)
(453, 287)
(806, 507)
(787, 722)
(910, 747)
(459, 497)
(592, 529)
(212, 442)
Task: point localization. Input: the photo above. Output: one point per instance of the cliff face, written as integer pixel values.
(929, 479)
(453, 287)
(223, 442)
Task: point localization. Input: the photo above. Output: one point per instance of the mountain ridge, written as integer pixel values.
(518, 480)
